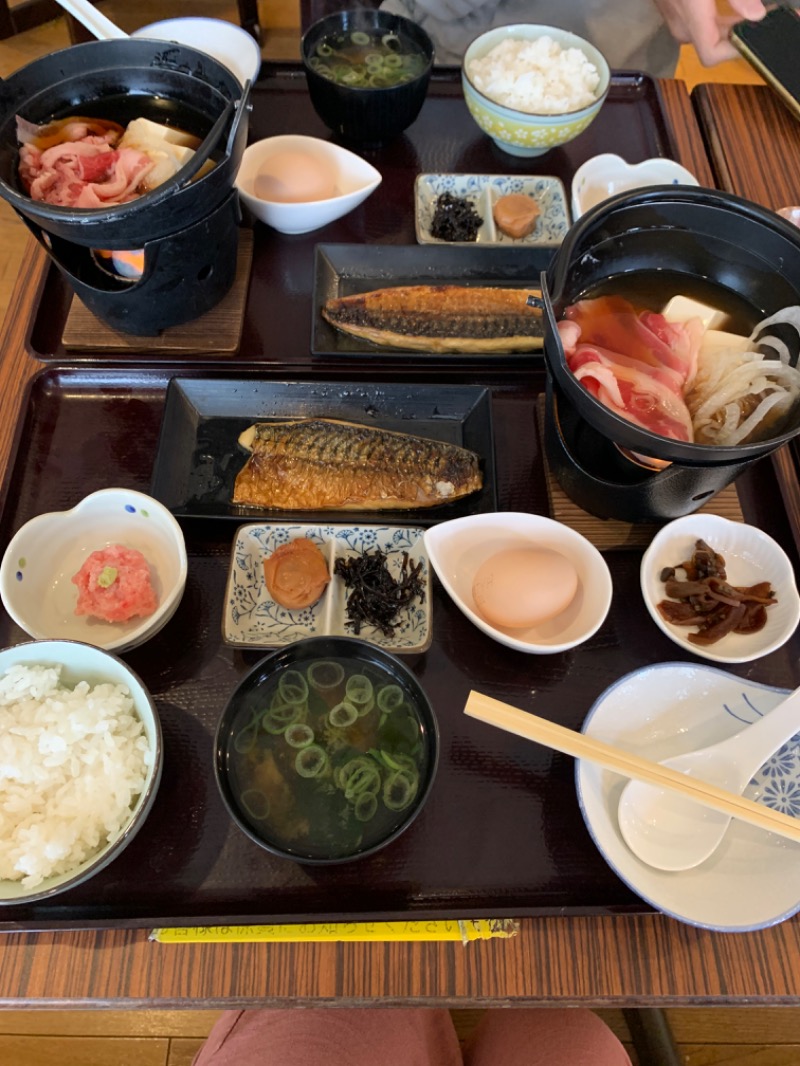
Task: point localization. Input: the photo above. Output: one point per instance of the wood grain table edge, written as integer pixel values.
(599, 961)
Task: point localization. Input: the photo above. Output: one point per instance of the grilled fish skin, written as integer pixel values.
(327, 464)
(440, 318)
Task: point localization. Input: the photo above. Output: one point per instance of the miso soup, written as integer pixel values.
(328, 759)
(368, 59)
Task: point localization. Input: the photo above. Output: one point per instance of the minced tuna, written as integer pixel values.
(114, 584)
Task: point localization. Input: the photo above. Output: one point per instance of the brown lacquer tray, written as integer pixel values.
(502, 834)
(278, 314)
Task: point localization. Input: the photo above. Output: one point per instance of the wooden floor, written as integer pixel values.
(705, 1037)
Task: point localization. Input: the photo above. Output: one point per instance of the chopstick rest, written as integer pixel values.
(569, 742)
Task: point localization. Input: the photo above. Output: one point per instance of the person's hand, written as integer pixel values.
(697, 22)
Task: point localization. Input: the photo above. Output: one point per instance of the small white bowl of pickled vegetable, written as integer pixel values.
(327, 751)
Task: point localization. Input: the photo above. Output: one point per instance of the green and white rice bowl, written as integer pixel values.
(530, 133)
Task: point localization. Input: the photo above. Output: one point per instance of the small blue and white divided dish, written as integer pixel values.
(252, 619)
(482, 191)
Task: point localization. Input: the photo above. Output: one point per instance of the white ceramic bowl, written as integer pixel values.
(457, 549)
(41, 558)
(353, 177)
(81, 662)
(223, 40)
(750, 556)
(606, 175)
(753, 879)
(521, 133)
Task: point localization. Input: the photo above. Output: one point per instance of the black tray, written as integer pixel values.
(501, 835)
(346, 269)
(198, 455)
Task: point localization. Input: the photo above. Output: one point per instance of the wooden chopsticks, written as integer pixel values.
(557, 737)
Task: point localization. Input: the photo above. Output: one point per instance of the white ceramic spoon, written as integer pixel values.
(671, 832)
(87, 14)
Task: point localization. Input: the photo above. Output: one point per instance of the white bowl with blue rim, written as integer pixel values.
(43, 555)
(752, 880)
(483, 191)
(605, 175)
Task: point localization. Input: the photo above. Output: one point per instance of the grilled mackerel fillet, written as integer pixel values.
(440, 318)
(324, 464)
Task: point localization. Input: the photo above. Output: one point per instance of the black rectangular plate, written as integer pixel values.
(346, 269)
(199, 456)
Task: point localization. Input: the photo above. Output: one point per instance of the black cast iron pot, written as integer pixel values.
(162, 81)
(599, 458)
(700, 233)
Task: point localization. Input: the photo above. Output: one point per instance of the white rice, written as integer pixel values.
(72, 764)
(538, 77)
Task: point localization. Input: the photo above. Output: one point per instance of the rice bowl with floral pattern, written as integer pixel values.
(524, 133)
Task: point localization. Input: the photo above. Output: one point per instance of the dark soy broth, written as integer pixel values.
(653, 289)
(125, 107)
(327, 759)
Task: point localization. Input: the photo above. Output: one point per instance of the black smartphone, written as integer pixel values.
(772, 47)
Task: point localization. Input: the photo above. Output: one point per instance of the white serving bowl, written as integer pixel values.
(224, 41)
(752, 880)
(83, 662)
(523, 133)
(353, 177)
(606, 175)
(41, 558)
(457, 549)
(750, 556)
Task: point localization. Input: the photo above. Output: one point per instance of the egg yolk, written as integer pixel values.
(293, 177)
(523, 587)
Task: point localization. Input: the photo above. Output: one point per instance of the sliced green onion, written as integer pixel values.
(245, 739)
(293, 687)
(359, 37)
(278, 717)
(391, 40)
(255, 803)
(365, 806)
(299, 735)
(343, 715)
(399, 790)
(325, 675)
(310, 761)
(361, 693)
(390, 697)
(324, 49)
(365, 779)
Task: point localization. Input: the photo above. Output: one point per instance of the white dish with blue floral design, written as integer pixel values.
(252, 619)
(483, 191)
(753, 879)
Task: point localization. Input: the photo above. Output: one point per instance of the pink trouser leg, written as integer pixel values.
(541, 1036)
(332, 1036)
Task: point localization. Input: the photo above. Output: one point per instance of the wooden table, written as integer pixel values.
(634, 960)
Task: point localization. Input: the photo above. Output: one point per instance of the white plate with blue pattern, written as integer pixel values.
(482, 191)
(753, 879)
(252, 619)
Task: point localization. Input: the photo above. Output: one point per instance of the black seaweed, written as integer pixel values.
(375, 598)
(455, 219)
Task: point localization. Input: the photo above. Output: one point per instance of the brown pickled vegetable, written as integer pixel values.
(705, 599)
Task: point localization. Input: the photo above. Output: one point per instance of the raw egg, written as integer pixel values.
(293, 177)
(523, 587)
